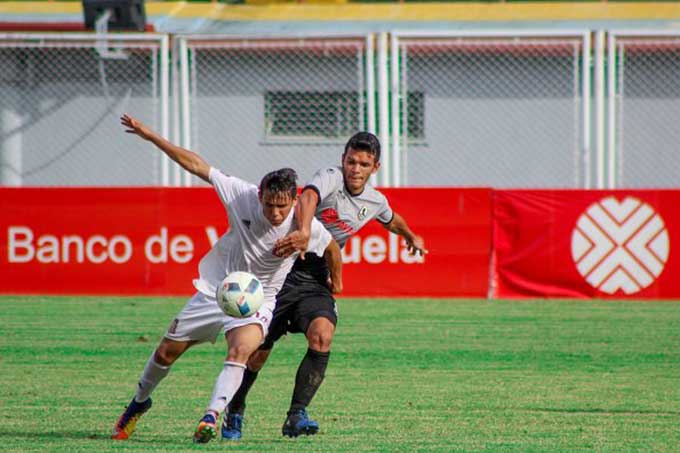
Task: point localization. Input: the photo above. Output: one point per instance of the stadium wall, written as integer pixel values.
(490, 108)
(476, 130)
(533, 243)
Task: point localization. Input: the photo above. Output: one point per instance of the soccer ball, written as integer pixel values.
(240, 294)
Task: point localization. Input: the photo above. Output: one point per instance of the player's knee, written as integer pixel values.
(239, 353)
(321, 343)
(168, 351)
(320, 335)
(165, 356)
(258, 359)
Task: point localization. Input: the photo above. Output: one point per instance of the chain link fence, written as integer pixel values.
(488, 108)
(261, 104)
(645, 76)
(502, 111)
(61, 97)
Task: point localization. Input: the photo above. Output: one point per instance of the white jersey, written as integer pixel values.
(249, 243)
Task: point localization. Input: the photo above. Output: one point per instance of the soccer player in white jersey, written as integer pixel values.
(342, 200)
(257, 219)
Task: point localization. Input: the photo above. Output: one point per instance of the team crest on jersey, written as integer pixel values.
(362, 213)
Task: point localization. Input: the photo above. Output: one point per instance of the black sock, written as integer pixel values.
(308, 379)
(238, 402)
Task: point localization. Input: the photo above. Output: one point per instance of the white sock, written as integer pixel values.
(226, 386)
(153, 374)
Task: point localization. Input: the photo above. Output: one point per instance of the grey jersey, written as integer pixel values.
(342, 213)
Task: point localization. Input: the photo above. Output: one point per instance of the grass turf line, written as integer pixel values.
(404, 375)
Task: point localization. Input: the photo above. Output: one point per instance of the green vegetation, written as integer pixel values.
(405, 375)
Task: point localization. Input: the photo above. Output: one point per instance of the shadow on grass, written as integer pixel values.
(596, 410)
(57, 436)
(80, 435)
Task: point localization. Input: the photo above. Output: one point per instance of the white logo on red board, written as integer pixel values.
(620, 246)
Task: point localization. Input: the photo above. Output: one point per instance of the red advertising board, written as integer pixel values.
(571, 243)
(105, 241)
(149, 241)
(456, 226)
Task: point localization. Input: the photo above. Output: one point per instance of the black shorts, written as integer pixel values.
(297, 305)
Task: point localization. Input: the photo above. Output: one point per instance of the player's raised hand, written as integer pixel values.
(416, 246)
(134, 126)
(291, 243)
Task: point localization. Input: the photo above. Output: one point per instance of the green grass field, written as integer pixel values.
(405, 375)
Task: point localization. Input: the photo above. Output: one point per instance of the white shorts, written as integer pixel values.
(202, 320)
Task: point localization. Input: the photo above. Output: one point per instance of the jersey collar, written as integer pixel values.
(353, 195)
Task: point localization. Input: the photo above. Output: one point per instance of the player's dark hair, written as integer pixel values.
(281, 180)
(364, 141)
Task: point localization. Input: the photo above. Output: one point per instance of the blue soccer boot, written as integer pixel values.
(299, 423)
(232, 426)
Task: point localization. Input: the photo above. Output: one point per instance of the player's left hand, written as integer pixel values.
(335, 287)
(416, 246)
(292, 242)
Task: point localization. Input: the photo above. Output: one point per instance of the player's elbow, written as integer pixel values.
(309, 197)
(197, 166)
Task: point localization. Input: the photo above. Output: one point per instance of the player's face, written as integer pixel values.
(276, 206)
(357, 167)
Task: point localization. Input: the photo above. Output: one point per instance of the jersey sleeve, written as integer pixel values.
(319, 238)
(325, 181)
(228, 187)
(385, 212)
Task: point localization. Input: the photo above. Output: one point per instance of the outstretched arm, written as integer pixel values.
(188, 160)
(415, 243)
(299, 239)
(333, 258)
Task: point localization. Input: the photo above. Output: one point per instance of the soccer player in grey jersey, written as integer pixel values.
(342, 200)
